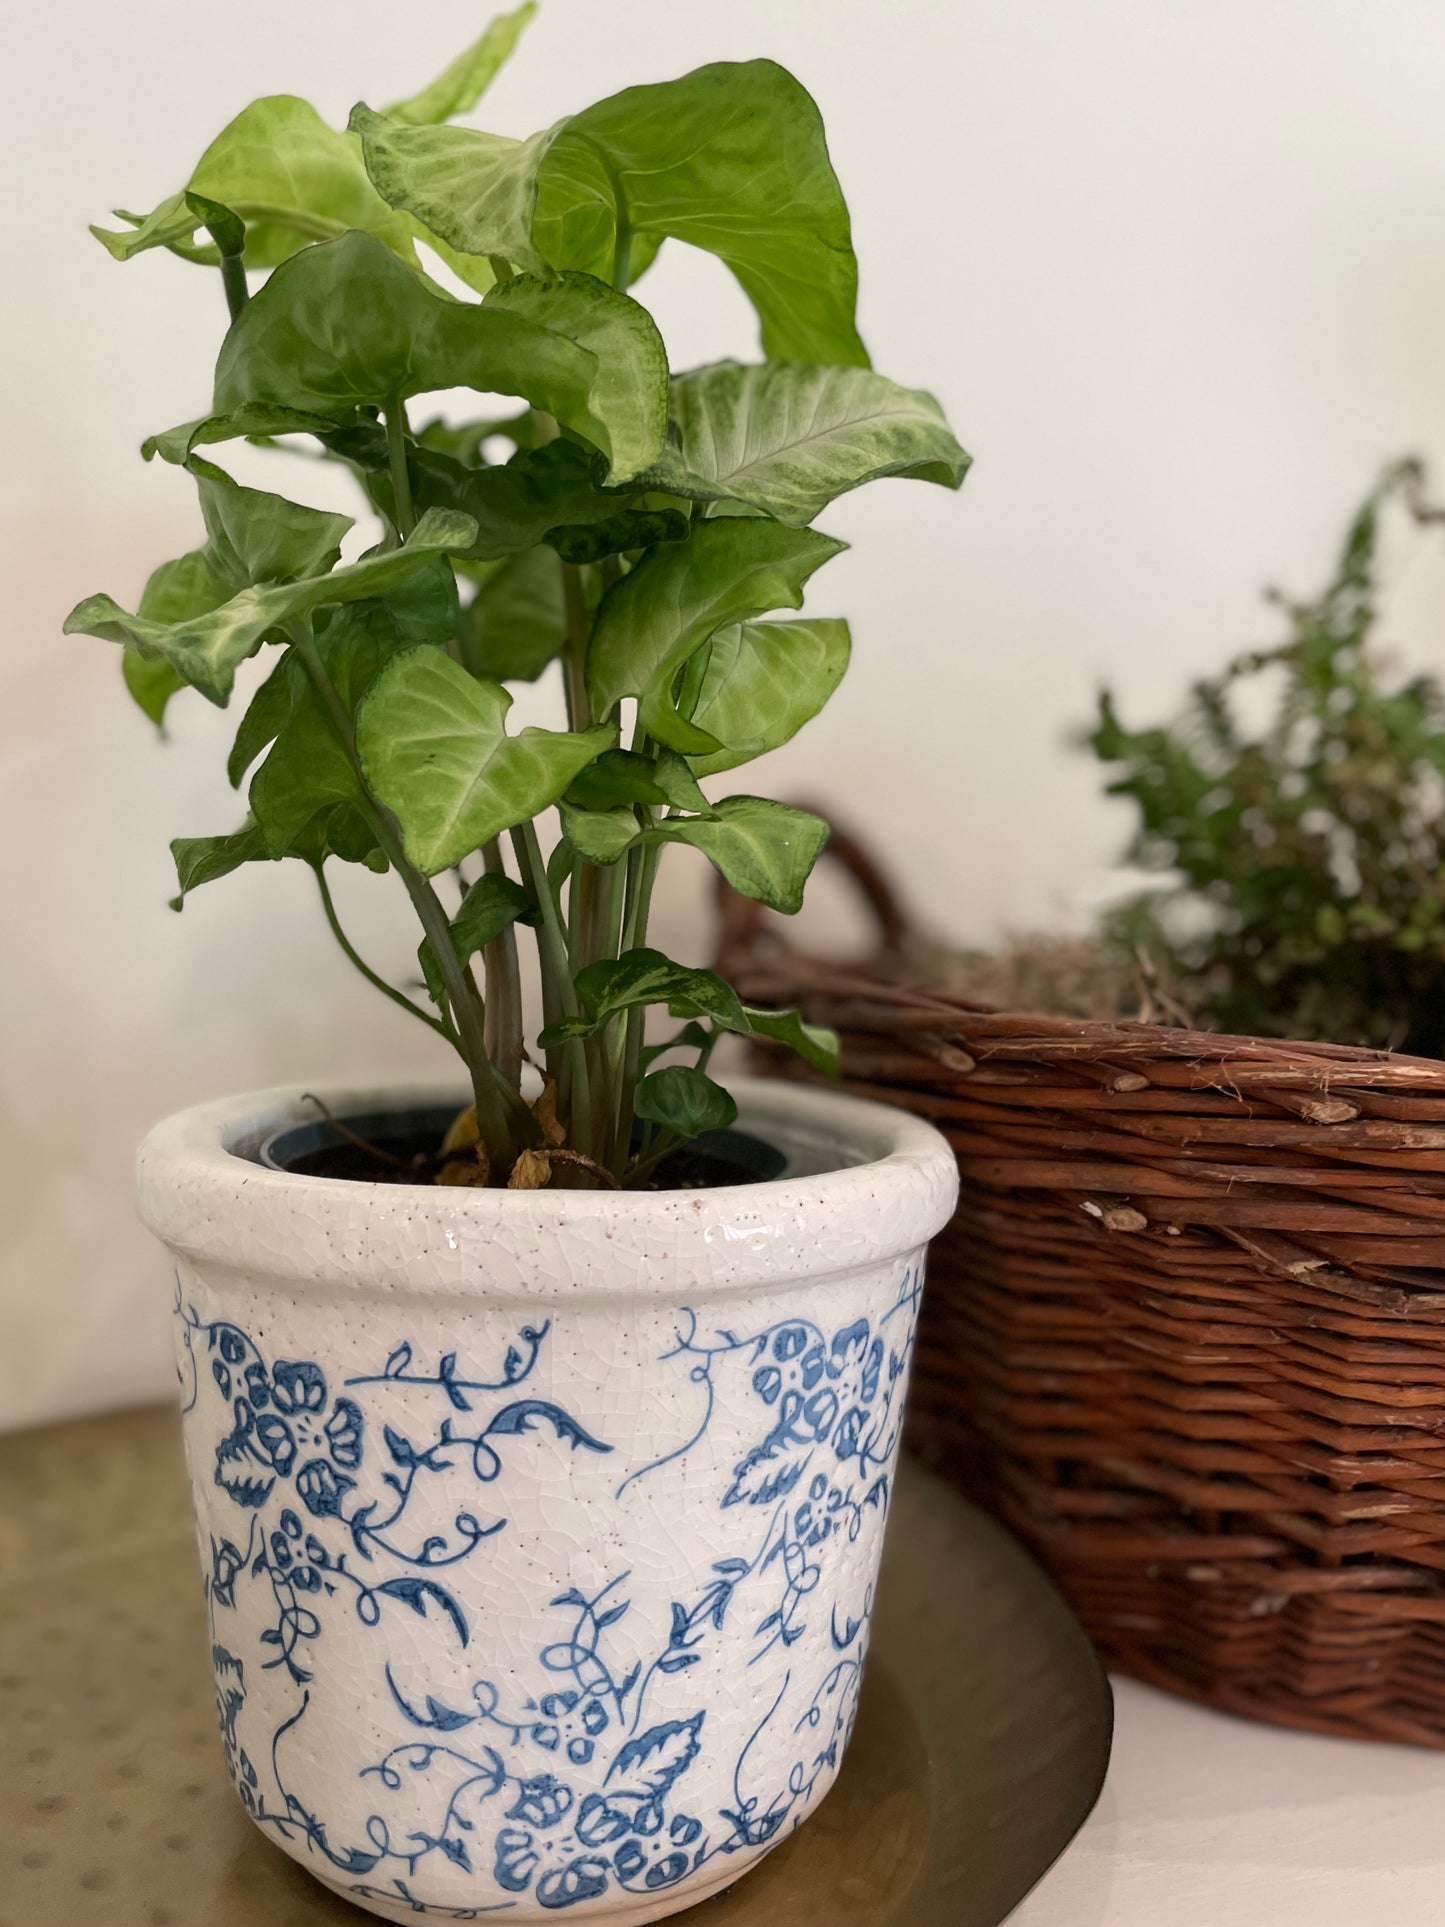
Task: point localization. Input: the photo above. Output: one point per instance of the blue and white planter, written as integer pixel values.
(540, 1530)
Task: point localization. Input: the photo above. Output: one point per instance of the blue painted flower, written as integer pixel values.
(226, 1562)
(343, 1433)
(322, 1488)
(541, 1801)
(298, 1385)
(517, 1859)
(581, 1879)
(275, 1441)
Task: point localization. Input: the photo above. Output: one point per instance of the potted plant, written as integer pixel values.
(540, 1486)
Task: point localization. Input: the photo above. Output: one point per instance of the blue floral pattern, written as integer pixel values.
(580, 1788)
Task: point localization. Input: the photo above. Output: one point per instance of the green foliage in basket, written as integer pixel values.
(629, 529)
(1306, 855)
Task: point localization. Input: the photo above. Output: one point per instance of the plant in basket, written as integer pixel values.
(1186, 1332)
(1306, 856)
(440, 1429)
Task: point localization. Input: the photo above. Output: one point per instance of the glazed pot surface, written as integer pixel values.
(540, 1530)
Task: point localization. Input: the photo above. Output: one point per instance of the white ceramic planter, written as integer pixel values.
(539, 1529)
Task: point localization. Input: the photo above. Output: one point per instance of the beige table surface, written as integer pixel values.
(982, 1733)
(1211, 1821)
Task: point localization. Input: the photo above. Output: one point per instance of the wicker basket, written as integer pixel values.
(1186, 1335)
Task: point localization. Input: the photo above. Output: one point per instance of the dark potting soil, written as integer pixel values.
(410, 1154)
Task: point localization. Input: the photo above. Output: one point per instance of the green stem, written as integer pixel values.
(233, 280)
(574, 650)
(558, 990)
(386, 989)
(501, 267)
(622, 251)
(504, 989)
(400, 475)
(635, 1034)
(497, 1118)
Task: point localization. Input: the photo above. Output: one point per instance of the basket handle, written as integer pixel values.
(742, 921)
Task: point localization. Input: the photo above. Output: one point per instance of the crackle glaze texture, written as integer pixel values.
(539, 1531)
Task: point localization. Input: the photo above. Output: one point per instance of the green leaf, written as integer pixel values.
(188, 586)
(207, 649)
(476, 191)
(256, 537)
(346, 326)
(631, 394)
(621, 778)
(493, 903)
(765, 850)
(515, 504)
(787, 439)
(618, 534)
(684, 1100)
(202, 859)
(641, 977)
(308, 772)
(262, 723)
(223, 224)
(730, 158)
(601, 836)
(662, 612)
(151, 682)
(692, 1036)
(762, 681)
(514, 624)
(172, 223)
(256, 420)
(289, 176)
(815, 1043)
(433, 745)
(459, 86)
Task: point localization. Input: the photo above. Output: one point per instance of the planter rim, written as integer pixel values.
(886, 1183)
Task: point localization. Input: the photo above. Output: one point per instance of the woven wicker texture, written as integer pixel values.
(1186, 1335)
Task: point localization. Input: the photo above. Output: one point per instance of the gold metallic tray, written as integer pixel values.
(981, 1744)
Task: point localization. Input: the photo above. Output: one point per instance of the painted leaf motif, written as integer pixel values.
(660, 1756)
(433, 744)
(788, 438)
(415, 1593)
(521, 1416)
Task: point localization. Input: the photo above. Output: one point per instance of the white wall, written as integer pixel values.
(1176, 267)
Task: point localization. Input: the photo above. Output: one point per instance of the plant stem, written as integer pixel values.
(635, 1033)
(574, 649)
(504, 988)
(497, 1116)
(400, 475)
(387, 990)
(233, 280)
(558, 988)
(501, 267)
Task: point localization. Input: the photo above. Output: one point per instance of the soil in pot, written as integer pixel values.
(403, 1147)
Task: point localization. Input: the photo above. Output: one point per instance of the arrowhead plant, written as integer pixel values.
(632, 532)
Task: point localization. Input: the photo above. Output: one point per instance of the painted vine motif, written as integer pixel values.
(581, 1787)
